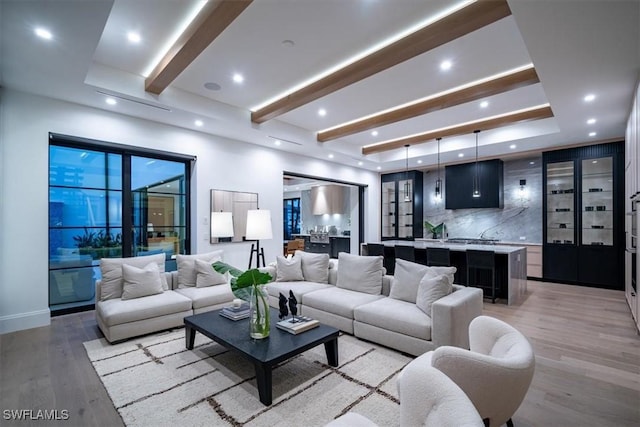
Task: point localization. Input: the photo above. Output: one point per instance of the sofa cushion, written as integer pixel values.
(315, 267)
(407, 276)
(205, 297)
(116, 311)
(207, 276)
(140, 282)
(337, 301)
(432, 289)
(187, 274)
(397, 316)
(288, 269)
(298, 288)
(360, 273)
(111, 270)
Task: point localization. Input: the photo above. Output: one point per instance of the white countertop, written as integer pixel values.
(460, 247)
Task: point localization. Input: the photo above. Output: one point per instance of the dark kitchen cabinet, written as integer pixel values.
(401, 202)
(583, 216)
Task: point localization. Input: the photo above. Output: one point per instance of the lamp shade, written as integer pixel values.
(221, 224)
(259, 224)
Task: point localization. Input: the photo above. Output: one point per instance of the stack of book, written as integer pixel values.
(236, 313)
(297, 325)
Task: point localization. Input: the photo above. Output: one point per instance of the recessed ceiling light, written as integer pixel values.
(532, 163)
(198, 123)
(590, 97)
(374, 133)
(591, 121)
(133, 37)
(379, 167)
(360, 163)
(277, 142)
(238, 78)
(460, 154)
(110, 101)
(484, 104)
(322, 112)
(512, 146)
(331, 156)
(212, 86)
(43, 33)
(593, 134)
(446, 65)
(419, 162)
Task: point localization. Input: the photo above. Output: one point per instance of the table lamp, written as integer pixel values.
(222, 226)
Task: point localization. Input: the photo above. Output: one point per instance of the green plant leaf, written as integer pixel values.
(253, 277)
(241, 282)
(223, 267)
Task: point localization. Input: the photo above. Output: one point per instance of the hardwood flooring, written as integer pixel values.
(587, 363)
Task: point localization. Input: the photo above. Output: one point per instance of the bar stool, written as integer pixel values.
(482, 261)
(438, 257)
(406, 253)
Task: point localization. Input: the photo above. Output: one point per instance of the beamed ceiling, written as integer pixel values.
(519, 71)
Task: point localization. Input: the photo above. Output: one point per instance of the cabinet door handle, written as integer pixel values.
(633, 294)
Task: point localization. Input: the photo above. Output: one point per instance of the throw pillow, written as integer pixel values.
(289, 269)
(448, 272)
(360, 273)
(431, 289)
(315, 267)
(187, 274)
(406, 279)
(140, 282)
(111, 270)
(207, 276)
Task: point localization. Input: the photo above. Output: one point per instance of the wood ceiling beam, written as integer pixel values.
(493, 87)
(451, 27)
(215, 16)
(468, 128)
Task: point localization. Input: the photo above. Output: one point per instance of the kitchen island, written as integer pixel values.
(510, 263)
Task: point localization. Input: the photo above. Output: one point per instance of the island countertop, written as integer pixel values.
(462, 247)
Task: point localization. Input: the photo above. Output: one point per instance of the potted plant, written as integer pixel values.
(249, 286)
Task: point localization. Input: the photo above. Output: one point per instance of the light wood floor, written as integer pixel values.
(587, 363)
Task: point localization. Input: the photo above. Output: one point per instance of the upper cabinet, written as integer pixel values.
(401, 203)
(583, 240)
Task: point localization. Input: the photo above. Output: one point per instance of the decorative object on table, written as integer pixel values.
(237, 311)
(297, 324)
(282, 302)
(293, 305)
(437, 231)
(249, 286)
(258, 228)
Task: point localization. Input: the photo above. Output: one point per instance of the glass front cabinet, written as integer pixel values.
(401, 204)
(583, 216)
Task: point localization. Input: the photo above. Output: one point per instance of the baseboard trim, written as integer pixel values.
(21, 321)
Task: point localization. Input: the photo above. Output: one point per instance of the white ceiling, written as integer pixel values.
(577, 47)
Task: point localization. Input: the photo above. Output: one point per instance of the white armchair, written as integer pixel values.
(427, 398)
(495, 373)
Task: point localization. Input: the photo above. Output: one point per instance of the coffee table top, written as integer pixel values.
(279, 346)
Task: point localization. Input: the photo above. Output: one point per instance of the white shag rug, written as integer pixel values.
(155, 381)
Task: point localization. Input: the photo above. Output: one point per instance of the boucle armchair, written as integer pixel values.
(427, 398)
(495, 373)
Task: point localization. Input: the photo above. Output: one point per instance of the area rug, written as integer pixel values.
(155, 381)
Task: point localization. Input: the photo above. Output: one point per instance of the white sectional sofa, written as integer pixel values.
(414, 312)
(136, 297)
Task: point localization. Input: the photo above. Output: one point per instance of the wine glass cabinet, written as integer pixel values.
(401, 205)
(583, 210)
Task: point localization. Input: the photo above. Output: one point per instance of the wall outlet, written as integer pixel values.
(205, 221)
(205, 237)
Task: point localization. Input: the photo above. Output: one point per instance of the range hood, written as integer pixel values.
(327, 199)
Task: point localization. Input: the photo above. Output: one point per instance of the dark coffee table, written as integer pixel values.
(264, 353)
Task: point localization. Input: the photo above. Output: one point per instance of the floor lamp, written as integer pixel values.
(258, 228)
(221, 226)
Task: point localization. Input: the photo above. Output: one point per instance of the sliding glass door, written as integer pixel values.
(96, 194)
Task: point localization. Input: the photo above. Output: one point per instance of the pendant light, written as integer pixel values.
(407, 186)
(438, 181)
(476, 178)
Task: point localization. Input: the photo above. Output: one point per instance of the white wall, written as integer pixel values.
(222, 163)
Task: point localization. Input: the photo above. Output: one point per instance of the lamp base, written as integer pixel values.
(255, 247)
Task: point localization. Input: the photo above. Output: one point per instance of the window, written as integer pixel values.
(291, 217)
(97, 190)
